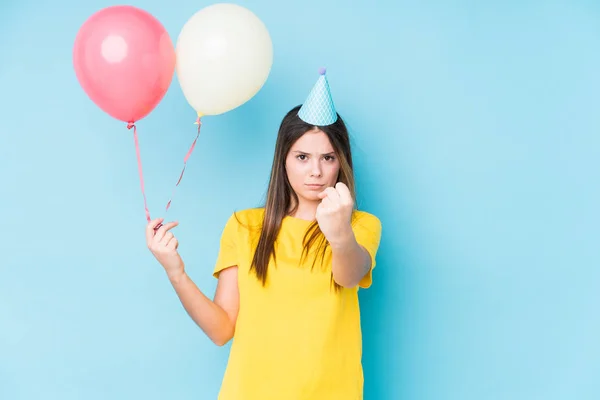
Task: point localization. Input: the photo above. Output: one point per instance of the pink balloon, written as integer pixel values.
(124, 60)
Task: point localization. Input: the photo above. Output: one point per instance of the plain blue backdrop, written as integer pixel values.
(475, 127)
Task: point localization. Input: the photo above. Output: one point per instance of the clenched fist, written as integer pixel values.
(334, 213)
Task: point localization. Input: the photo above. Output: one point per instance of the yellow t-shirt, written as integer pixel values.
(295, 338)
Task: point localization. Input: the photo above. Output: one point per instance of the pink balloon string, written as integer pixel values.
(141, 174)
(139, 162)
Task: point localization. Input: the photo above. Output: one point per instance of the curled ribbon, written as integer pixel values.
(130, 126)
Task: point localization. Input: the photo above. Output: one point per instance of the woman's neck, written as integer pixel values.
(305, 210)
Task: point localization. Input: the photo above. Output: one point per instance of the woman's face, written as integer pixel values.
(312, 165)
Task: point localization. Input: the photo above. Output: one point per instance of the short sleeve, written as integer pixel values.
(228, 254)
(367, 231)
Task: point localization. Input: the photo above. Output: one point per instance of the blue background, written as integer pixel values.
(475, 130)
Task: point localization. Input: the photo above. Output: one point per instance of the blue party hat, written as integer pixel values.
(318, 109)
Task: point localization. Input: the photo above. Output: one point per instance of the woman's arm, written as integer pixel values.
(350, 261)
(216, 318)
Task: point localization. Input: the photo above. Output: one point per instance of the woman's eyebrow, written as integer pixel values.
(331, 153)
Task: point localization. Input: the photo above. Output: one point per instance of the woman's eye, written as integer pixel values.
(301, 157)
(329, 158)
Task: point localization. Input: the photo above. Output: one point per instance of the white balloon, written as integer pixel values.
(224, 56)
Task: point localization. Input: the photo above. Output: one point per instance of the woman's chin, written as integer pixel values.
(310, 195)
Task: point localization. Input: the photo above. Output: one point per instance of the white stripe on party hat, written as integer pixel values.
(318, 109)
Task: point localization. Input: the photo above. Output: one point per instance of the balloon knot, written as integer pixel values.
(130, 125)
(197, 121)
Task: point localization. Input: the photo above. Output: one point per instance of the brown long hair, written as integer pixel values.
(281, 197)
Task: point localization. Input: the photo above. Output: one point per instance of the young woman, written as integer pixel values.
(289, 272)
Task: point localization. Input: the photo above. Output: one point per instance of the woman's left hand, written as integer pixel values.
(334, 213)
